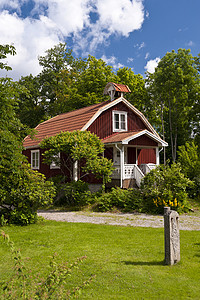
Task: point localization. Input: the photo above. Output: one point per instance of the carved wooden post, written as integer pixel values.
(172, 237)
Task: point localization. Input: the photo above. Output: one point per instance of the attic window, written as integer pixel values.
(119, 121)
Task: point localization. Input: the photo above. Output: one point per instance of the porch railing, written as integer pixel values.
(146, 168)
(133, 171)
(130, 171)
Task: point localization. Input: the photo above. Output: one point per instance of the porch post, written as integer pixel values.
(157, 156)
(122, 166)
(136, 159)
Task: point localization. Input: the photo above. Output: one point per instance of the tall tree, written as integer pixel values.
(174, 89)
(21, 190)
(136, 84)
(55, 77)
(32, 107)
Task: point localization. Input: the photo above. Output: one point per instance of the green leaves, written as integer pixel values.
(174, 92)
(165, 183)
(4, 51)
(81, 146)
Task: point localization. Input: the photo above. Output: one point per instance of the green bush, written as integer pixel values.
(126, 200)
(188, 156)
(73, 194)
(22, 193)
(165, 186)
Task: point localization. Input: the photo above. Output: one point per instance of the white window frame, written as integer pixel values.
(120, 113)
(35, 161)
(53, 164)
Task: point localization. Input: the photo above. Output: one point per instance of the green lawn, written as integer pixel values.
(127, 261)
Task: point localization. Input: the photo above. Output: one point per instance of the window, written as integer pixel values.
(119, 121)
(55, 162)
(35, 159)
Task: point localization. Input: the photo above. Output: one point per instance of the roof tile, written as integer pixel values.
(73, 120)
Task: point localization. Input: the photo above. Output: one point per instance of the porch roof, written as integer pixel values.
(125, 137)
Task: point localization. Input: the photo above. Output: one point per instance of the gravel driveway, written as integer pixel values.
(186, 222)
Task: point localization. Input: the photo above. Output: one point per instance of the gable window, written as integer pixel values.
(35, 159)
(55, 164)
(119, 121)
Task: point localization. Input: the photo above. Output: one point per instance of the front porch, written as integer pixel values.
(133, 155)
(131, 174)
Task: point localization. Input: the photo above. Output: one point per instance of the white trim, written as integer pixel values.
(115, 112)
(149, 134)
(36, 166)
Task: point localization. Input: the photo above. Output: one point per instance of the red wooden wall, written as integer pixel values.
(146, 156)
(143, 141)
(102, 126)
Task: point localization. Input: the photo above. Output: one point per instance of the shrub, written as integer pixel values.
(73, 194)
(189, 158)
(25, 192)
(165, 186)
(127, 200)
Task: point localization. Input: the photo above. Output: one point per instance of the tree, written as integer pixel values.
(189, 159)
(92, 76)
(174, 90)
(32, 108)
(4, 51)
(136, 84)
(55, 77)
(78, 149)
(22, 190)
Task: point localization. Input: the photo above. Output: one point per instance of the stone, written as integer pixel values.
(172, 236)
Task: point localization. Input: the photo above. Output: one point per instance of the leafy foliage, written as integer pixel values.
(4, 51)
(126, 200)
(81, 146)
(72, 194)
(188, 156)
(174, 95)
(165, 186)
(22, 191)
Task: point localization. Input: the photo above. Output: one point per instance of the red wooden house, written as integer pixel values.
(129, 139)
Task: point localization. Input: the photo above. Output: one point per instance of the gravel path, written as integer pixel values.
(186, 222)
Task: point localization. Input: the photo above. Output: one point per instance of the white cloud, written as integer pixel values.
(140, 46)
(152, 64)
(147, 55)
(52, 21)
(112, 61)
(30, 38)
(130, 59)
(120, 16)
(190, 44)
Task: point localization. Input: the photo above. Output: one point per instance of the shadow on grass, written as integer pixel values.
(144, 263)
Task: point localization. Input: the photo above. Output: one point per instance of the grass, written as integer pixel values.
(127, 261)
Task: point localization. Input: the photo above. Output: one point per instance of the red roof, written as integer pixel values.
(124, 137)
(119, 136)
(121, 88)
(73, 120)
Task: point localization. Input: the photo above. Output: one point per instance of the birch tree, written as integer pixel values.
(174, 88)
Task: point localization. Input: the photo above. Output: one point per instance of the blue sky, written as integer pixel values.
(134, 34)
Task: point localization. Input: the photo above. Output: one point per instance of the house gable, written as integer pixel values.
(102, 122)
